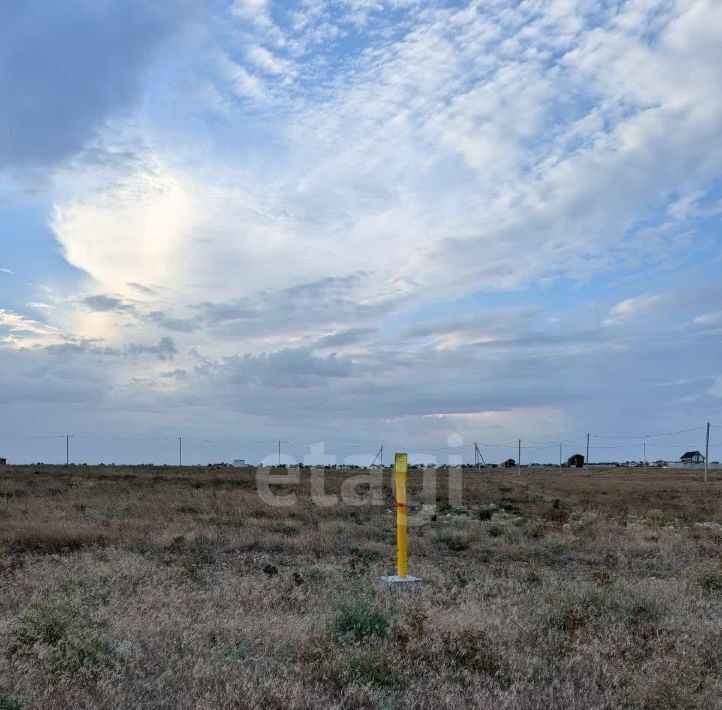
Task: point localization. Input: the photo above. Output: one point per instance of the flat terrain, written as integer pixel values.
(180, 588)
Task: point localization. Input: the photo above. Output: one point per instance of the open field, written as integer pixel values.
(180, 588)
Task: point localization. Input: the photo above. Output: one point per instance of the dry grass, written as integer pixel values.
(162, 588)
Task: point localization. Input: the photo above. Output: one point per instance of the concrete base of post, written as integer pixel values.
(394, 580)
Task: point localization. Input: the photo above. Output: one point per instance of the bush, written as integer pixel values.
(709, 579)
(191, 509)
(460, 578)
(453, 540)
(63, 634)
(368, 669)
(558, 513)
(574, 610)
(7, 702)
(532, 578)
(602, 577)
(202, 549)
(469, 648)
(357, 620)
(285, 529)
(566, 616)
(496, 531)
(360, 560)
(655, 518)
(235, 651)
(534, 532)
(510, 507)
(55, 540)
(228, 521)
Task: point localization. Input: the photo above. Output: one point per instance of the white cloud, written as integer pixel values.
(269, 62)
(15, 328)
(631, 308)
(135, 230)
(244, 84)
(256, 10)
(709, 319)
(686, 206)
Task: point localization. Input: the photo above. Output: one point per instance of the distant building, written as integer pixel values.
(576, 461)
(692, 457)
(509, 463)
(3, 462)
(239, 463)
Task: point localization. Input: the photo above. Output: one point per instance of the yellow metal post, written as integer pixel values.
(401, 465)
(403, 579)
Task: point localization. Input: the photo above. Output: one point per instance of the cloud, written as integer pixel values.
(31, 377)
(269, 62)
(146, 290)
(14, 325)
(164, 350)
(65, 70)
(342, 338)
(631, 308)
(487, 326)
(286, 368)
(5, 271)
(708, 319)
(104, 304)
(167, 321)
(256, 10)
(303, 308)
(84, 347)
(138, 225)
(244, 83)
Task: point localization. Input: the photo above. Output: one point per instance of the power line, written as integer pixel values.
(83, 437)
(33, 437)
(645, 436)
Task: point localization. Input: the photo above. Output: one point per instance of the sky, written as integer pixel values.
(354, 223)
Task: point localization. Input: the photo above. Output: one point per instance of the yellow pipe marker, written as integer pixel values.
(401, 466)
(403, 578)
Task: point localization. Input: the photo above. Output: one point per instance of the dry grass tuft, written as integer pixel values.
(709, 578)
(53, 540)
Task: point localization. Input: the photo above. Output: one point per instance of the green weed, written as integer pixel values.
(357, 620)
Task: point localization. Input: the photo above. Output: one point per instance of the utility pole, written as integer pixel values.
(180, 450)
(478, 458)
(279, 452)
(586, 460)
(67, 450)
(560, 455)
(706, 453)
(519, 459)
(379, 457)
(645, 455)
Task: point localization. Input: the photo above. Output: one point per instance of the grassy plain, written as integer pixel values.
(180, 588)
